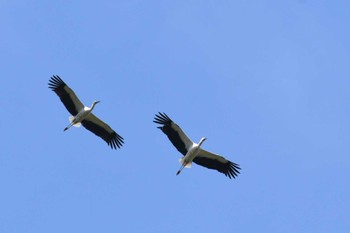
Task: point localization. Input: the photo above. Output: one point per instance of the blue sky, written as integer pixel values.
(267, 82)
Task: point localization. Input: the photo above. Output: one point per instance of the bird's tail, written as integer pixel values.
(71, 119)
(188, 165)
(183, 165)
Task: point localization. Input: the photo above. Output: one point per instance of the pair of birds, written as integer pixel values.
(192, 152)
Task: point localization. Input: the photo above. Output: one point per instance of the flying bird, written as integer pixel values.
(81, 115)
(192, 152)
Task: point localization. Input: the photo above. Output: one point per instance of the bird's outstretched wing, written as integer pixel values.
(175, 134)
(217, 162)
(67, 95)
(104, 131)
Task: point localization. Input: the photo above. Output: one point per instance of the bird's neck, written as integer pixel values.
(200, 142)
(92, 106)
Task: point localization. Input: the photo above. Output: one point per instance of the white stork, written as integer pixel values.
(193, 151)
(81, 115)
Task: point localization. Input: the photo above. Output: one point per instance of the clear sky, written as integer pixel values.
(267, 82)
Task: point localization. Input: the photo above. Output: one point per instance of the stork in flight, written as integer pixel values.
(193, 152)
(81, 115)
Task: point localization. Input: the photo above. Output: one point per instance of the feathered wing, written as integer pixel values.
(217, 162)
(101, 129)
(175, 134)
(67, 95)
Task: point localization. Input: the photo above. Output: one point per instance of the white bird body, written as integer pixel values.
(82, 115)
(193, 152)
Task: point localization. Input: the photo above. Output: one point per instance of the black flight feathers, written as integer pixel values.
(66, 95)
(172, 132)
(229, 168)
(113, 139)
(162, 119)
(56, 82)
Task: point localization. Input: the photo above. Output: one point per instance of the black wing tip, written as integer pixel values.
(116, 141)
(232, 170)
(162, 119)
(56, 82)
